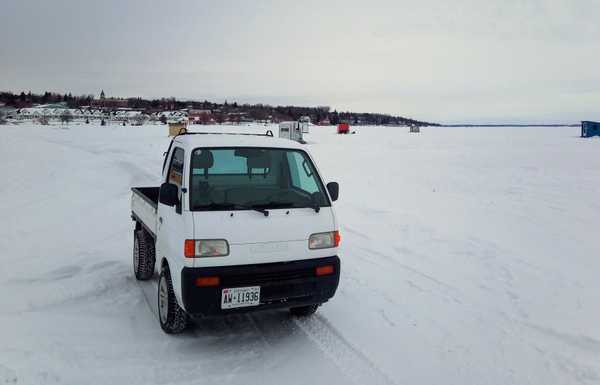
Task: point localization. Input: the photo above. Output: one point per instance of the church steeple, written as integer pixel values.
(102, 96)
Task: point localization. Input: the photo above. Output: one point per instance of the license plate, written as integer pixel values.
(240, 297)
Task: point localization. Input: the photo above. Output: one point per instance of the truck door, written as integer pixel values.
(171, 227)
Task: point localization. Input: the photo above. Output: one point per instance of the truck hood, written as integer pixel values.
(254, 238)
(249, 226)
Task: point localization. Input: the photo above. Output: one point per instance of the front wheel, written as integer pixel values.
(173, 319)
(304, 311)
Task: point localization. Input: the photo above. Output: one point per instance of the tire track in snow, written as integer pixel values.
(357, 367)
(351, 361)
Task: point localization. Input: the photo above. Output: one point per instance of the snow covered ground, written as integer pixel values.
(470, 256)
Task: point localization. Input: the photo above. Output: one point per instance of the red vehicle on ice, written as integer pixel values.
(343, 128)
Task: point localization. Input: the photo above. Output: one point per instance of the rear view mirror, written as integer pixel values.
(334, 190)
(168, 194)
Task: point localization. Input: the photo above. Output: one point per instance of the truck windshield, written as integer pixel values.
(253, 178)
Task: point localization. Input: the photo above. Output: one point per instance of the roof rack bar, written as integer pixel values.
(184, 131)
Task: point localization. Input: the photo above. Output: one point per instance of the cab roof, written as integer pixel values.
(192, 141)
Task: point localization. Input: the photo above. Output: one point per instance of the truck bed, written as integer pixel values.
(144, 204)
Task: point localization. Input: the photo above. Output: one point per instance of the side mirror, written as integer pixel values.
(334, 190)
(168, 194)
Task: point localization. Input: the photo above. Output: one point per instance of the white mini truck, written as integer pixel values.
(240, 223)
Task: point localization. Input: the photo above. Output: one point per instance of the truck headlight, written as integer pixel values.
(324, 240)
(198, 248)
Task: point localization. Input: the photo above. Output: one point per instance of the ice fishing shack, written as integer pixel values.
(294, 130)
(343, 128)
(589, 129)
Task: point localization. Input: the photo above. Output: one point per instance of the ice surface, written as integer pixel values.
(469, 256)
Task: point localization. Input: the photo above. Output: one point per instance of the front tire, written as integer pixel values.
(143, 255)
(173, 319)
(304, 311)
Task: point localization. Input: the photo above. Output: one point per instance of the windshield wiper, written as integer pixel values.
(274, 205)
(231, 206)
(315, 206)
(255, 208)
(214, 206)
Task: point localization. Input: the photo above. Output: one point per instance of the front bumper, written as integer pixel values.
(282, 285)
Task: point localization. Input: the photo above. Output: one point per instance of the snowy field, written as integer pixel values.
(469, 256)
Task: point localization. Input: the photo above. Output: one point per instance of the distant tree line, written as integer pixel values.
(255, 112)
(23, 99)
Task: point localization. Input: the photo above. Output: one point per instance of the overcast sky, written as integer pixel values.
(444, 61)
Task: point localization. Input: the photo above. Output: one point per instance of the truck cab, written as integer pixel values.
(240, 223)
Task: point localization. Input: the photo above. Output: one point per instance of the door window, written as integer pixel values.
(175, 174)
(302, 172)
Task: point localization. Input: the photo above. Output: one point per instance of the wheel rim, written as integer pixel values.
(163, 300)
(136, 254)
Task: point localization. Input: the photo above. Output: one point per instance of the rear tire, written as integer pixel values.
(304, 311)
(143, 255)
(173, 319)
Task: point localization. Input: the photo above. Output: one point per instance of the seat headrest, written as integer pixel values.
(203, 159)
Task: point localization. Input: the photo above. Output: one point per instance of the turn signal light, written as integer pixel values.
(189, 248)
(324, 270)
(208, 281)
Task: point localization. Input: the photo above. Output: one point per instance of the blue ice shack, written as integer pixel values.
(590, 129)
